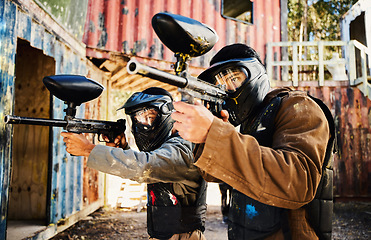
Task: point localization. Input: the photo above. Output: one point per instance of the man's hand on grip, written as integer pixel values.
(194, 121)
(119, 142)
(77, 144)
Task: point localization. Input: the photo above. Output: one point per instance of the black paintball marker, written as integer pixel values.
(187, 38)
(73, 90)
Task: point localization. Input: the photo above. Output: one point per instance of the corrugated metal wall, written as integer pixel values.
(352, 113)
(125, 26)
(353, 164)
(69, 181)
(7, 60)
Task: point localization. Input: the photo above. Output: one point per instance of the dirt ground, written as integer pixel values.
(351, 221)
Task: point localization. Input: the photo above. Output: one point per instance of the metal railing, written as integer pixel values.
(356, 61)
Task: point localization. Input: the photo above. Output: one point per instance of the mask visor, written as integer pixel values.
(232, 78)
(146, 116)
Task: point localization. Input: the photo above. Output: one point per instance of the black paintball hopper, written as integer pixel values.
(74, 89)
(184, 35)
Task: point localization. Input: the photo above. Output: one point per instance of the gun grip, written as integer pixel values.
(187, 97)
(217, 114)
(214, 108)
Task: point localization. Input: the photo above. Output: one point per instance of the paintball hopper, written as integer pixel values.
(73, 89)
(184, 35)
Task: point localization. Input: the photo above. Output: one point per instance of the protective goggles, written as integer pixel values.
(231, 77)
(145, 116)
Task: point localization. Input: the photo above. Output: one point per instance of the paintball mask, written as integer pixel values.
(244, 78)
(150, 112)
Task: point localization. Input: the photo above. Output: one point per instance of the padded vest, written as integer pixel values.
(250, 219)
(169, 214)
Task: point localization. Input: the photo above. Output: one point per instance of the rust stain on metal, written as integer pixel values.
(351, 111)
(125, 26)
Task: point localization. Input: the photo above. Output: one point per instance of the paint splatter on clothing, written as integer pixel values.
(251, 211)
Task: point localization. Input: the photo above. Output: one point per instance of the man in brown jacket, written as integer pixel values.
(274, 161)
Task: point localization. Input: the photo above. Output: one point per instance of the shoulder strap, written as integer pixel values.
(319, 210)
(265, 120)
(331, 146)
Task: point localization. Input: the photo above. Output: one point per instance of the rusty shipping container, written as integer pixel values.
(125, 26)
(352, 161)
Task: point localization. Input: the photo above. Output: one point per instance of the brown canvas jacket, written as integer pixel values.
(286, 175)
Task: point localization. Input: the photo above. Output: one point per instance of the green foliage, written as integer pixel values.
(69, 13)
(314, 20)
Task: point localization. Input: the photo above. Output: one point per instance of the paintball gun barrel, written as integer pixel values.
(74, 90)
(108, 128)
(187, 84)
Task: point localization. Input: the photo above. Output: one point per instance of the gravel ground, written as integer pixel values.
(351, 221)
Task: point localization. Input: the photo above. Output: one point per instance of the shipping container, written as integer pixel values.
(43, 189)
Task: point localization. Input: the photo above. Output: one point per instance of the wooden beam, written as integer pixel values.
(139, 81)
(125, 81)
(110, 66)
(122, 73)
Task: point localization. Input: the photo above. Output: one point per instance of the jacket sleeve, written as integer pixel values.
(286, 175)
(172, 162)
